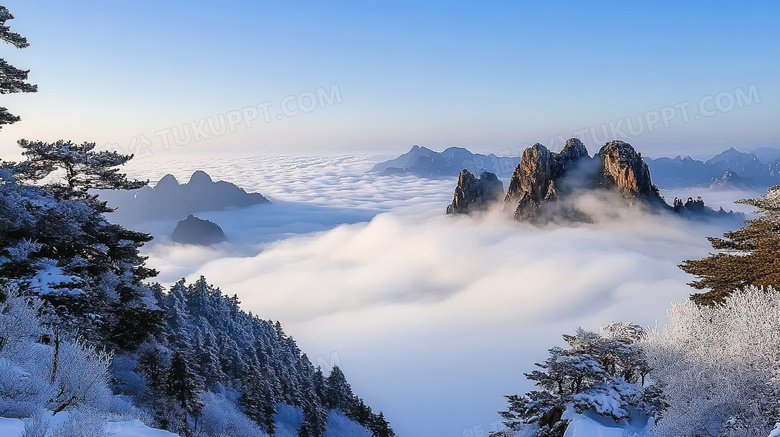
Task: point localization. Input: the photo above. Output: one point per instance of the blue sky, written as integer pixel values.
(490, 76)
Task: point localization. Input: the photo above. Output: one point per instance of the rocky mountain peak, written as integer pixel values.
(472, 194)
(623, 168)
(534, 177)
(539, 176)
(574, 150)
(542, 177)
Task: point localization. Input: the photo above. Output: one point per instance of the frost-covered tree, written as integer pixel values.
(338, 393)
(71, 170)
(719, 366)
(315, 415)
(88, 269)
(12, 79)
(184, 387)
(380, 427)
(39, 370)
(603, 374)
(257, 400)
(220, 417)
(747, 256)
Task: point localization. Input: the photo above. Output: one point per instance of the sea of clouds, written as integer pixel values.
(432, 317)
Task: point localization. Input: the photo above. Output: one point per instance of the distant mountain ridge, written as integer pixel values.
(745, 169)
(170, 199)
(730, 168)
(424, 162)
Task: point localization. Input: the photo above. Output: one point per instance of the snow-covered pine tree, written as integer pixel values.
(338, 393)
(72, 170)
(380, 427)
(184, 388)
(153, 365)
(603, 374)
(103, 295)
(256, 360)
(14, 79)
(315, 419)
(257, 400)
(315, 415)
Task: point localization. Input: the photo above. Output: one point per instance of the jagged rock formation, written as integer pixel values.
(472, 194)
(543, 177)
(194, 230)
(539, 177)
(623, 168)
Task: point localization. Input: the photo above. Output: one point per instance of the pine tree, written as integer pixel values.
(155, 370)
(183, 388)
(109, 305)
(338, 393)
(318, 379)
(380, 428)
(315, 419)
(258, 361)
(749, 256)
(257, 401)
(13, 80)
(208, 359)
(596, 373)
(77, 168)
(361, 413)
(269, 410)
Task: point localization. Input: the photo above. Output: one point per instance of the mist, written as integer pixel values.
(433, 318)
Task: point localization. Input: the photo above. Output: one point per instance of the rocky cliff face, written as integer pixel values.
(472, 194)
(622, 168)
(539, 177)
(542, 177)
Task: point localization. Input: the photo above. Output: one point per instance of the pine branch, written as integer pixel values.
(12, 79)
(6, 35)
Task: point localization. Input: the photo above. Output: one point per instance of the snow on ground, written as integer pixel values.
(113, 428)
(582, 426)
(133, 428)
(289, 419)
(11, 427)
(341, 426)
(591, 425)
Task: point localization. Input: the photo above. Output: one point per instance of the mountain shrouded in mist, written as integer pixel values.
(543, 181)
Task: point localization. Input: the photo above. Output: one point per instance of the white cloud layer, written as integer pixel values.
(433, 318)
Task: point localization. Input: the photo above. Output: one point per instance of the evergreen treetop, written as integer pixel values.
(747, 256)
(12, 79)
